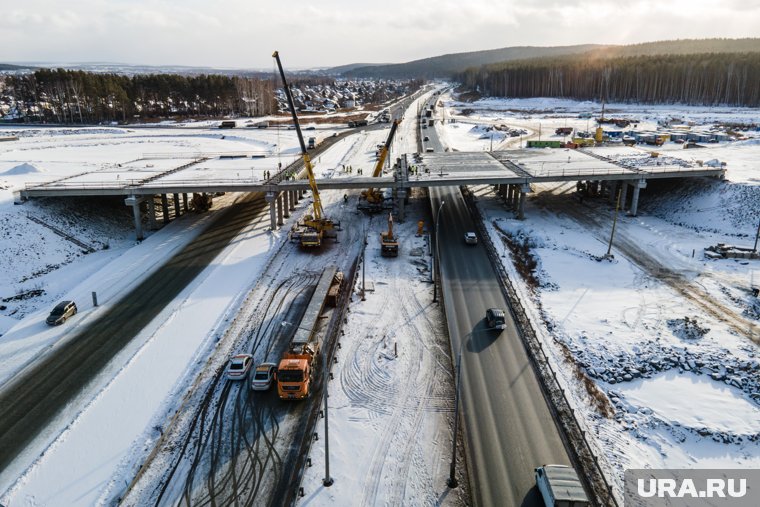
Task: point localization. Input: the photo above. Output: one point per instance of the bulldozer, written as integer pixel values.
(389, 242)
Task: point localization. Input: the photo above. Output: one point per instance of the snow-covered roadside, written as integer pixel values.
(389, 414)
(680, 384)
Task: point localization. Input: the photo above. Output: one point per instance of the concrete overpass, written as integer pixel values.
(512, 172)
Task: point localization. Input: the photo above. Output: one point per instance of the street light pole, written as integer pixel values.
(437, 257)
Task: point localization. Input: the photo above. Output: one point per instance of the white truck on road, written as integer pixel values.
(560, 487)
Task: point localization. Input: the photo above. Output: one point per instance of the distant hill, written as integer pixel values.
(446, 66)
(343, 69)
(8, 66)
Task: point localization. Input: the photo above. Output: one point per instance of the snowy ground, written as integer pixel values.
(668, 336)
(662, 333)
(112, 426)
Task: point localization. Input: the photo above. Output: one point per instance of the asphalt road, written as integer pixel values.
(508, 429)
(33, 398)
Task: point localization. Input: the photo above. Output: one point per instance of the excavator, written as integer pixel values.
(312, 230)
(372, 198)
(389, 242)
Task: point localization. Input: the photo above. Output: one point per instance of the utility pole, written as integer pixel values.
(327, 481)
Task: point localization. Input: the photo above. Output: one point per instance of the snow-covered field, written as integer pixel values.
(663, 332)
(670, 337)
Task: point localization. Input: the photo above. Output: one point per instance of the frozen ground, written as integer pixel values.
(669, 337)
(655, 316)
(112, 426)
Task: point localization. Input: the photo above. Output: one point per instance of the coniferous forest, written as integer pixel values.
(708, 79)
(73, 96)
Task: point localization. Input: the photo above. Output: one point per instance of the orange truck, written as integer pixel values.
(296, 371)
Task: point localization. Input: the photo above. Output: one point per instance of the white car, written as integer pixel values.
(239, 366)
(470, 238)
(263, 376)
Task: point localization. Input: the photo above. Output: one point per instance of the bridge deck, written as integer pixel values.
(432, 169)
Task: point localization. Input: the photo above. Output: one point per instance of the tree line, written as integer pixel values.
(74, 96)
(707, 79)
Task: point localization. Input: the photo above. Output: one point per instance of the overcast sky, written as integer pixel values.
(318, 33)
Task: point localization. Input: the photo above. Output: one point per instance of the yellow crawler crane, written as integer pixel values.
(314, 226)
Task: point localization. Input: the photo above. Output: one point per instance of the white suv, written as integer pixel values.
(470, 238)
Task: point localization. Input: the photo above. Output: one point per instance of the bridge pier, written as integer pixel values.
(152, 213)
(272, 200)
(512, 196)
(524, 189)
(285, 205)
(293, 199)
(165, 208)
(635, 198)
(184, 202)
(176, 206)
(135, 202)
(401, 201)
(279, 208)
(612, 191)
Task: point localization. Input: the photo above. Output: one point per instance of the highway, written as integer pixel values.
(507, 426)
(35, 396)
(508, 429)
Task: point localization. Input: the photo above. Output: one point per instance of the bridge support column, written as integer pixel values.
(512, 196)
(293, 199)
(624, 195)
(176, 206)
(165, 208)
(285, 205)
(401, 201)
(271, 198)
(279, 208)
(524, 189)
(184, 202)
(152, 213)
(635, 198)
(612, 189)
(135, 202)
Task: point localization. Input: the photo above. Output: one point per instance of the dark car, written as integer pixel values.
(496, 318)
(61, 312)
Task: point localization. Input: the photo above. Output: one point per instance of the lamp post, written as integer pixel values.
(327, 481)
(437, 256)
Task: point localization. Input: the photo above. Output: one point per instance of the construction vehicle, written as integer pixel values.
(389, 242)
(296, 370)
(313, 228)
(372, 198)
(298, 366)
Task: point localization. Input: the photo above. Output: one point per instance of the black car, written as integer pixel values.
(496, 318)
(61, 312)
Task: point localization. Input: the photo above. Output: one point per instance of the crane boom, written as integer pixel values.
(370, 194)
(304, 153)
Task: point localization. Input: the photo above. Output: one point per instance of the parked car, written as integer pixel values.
(263, 376)
(496, 318)
(239, 366)
(426, 138)
(470, 238)
(429, 149)
(62, 312)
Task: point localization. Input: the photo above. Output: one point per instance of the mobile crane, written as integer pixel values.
(311, 231)
(374, 196)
